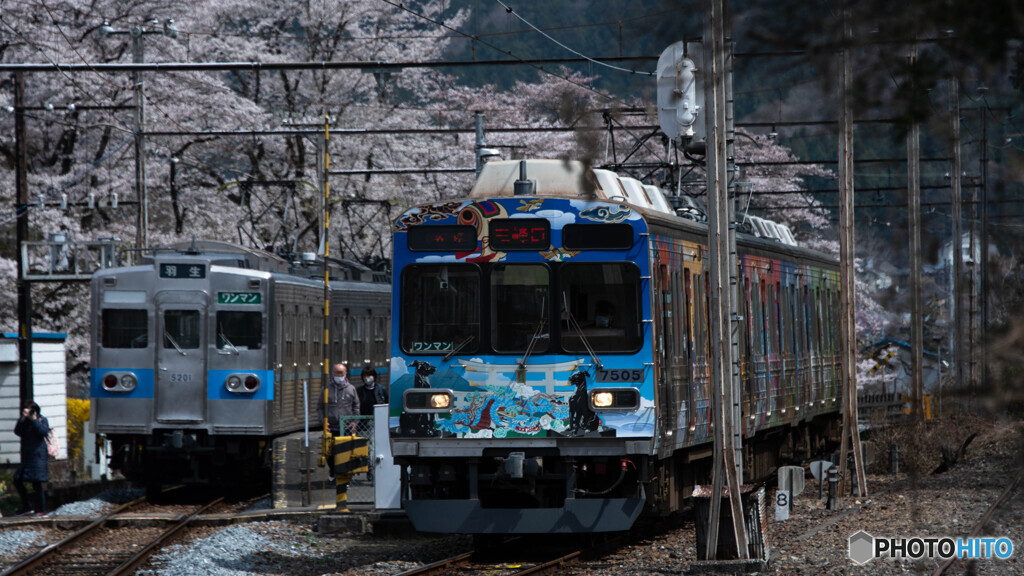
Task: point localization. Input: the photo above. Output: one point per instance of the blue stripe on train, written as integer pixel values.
(215, 389)
(143, 390)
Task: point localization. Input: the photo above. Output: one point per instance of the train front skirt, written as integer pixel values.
(577, 515)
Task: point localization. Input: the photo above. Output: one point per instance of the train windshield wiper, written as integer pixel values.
(537, 335)
(576, 327)
(173, 343)
(455, 350)
(223, 335)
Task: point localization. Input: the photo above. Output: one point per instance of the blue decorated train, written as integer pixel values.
(550, 349)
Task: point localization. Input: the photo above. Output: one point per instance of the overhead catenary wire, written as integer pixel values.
(509, 10)
(541, 69)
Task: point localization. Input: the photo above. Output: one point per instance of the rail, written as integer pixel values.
(28, 565)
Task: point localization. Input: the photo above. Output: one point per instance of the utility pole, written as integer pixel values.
(725, 400)
(25, 384)
(958, 250)
(914, 217)
(983, 263)
(138, 57)
(850, 433)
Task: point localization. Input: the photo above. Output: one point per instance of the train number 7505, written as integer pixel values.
(621, 375)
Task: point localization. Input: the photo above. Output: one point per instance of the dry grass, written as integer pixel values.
(923, 445)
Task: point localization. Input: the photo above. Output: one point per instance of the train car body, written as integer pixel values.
(550, 354)
(201, 355)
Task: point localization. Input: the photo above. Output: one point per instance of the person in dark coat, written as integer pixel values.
(371, 392)
(32, 428)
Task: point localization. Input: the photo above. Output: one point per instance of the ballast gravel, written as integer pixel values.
(98, 505)
(13, 542)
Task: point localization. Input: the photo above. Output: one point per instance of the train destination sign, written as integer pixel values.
(460, 238)
(239, 298)
(189, 271)
(520, 234)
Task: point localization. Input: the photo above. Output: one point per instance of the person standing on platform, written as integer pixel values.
(372, 391)
(32, 428)
(342, 400)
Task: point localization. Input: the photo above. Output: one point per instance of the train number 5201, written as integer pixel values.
(621, 375)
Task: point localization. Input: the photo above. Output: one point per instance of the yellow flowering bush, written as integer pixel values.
(78, 415)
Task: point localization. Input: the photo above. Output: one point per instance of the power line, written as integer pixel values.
(458, 35)
(563, 46)
(386, 66)
(508, 52)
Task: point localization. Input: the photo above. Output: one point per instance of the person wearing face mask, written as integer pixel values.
(32, 429)
(342, 400)
(372, 392)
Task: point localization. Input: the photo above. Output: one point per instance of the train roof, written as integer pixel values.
(221, 254)
(567, 178)
(574, 179)
(344, 273)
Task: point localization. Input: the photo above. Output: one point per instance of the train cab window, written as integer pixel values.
(519, 308)
(440, 308)
(124, 328)
(604, 302)
(182, 329)
(239, 330)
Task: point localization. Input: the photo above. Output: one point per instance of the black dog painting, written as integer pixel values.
(581, 418)
(419, 424)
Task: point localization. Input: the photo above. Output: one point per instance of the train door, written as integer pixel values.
(181, 359)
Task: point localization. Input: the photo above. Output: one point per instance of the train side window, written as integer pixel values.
(124, 328)
(746, 339)
(239, 330)
(679, 299)
(689, 329)
(702, 336)
(774, 326)
(520, 300)
(440, 308)
(604, 299)
(182, 329)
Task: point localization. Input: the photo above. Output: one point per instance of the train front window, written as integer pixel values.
(124, 328)
(182, 329)
(440, 309)
(238, 330)
(519, 307)
(603, 300)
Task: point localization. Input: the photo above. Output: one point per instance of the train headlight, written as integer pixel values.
(615, 399)
(246, 383)
(428, 400)
(119, 382)
(129, 382)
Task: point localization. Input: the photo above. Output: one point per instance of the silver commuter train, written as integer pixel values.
(200, 353)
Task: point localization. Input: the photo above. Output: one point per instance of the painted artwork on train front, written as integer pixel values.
(527, 394)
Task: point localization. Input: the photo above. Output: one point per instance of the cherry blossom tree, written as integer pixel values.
(235, 155)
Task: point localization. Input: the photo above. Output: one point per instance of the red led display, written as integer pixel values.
(520, 234)
(442, 238)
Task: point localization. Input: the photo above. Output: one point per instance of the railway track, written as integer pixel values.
(466, 565)
(524, 557)
(111, 551)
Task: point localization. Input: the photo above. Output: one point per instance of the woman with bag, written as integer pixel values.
(33, 429)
